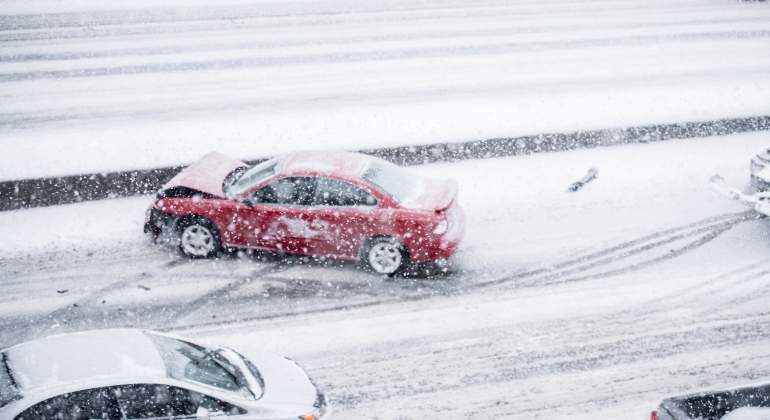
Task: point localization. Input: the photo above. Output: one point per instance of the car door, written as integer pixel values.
(346, 213)
(96, 403)
(166, 402)
(277, 219)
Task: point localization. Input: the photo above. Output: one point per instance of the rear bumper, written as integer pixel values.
(440, 247)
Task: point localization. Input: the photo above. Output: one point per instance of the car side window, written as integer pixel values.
(294, 191)
(333, 192)
(154, 401)
(98, 403)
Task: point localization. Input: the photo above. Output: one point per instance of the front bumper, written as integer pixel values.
(157, 221)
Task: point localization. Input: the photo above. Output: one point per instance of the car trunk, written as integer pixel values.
(433, 194)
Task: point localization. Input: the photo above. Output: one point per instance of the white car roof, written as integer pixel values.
(84, 357)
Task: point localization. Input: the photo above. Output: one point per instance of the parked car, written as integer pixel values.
(131, 374)
(715, 405)
(328, 204)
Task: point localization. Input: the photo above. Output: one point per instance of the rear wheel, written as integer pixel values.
(198, 237)
(385, 255)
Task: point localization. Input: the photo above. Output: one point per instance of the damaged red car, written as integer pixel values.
(324, 204)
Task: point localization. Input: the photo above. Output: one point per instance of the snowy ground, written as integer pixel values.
(154, 86)
(564, 305)
(595, 304)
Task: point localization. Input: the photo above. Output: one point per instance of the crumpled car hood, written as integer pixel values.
(206, 175)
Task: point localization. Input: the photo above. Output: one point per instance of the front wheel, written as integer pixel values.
(198, 238)
(385, 256)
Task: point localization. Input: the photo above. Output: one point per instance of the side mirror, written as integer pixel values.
(202, 414)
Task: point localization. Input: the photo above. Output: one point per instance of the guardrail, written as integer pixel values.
(40, 192)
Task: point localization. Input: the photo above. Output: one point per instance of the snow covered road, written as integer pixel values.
(149, 87)
(563, 305)
(594, 304)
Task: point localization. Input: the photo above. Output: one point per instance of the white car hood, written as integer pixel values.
(286, 385)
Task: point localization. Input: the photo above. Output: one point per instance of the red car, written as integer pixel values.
(327, 204)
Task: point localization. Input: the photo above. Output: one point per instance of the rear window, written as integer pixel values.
(393, 180)
(8, 390)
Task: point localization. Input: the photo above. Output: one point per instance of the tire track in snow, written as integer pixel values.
(376, 55)
(703, 231)
(159, 21)
(495, 355)
(215, 296)
(238, 45)
(698, 233)
(307, 293)
(715, 286)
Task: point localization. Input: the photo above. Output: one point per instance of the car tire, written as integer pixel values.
(385, 255)
(198, 237)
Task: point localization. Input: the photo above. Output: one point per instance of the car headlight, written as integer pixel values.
(441, 227)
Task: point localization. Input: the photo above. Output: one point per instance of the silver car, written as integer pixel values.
(135, 374)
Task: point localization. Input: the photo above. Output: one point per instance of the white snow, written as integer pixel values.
(595, 304)
(336, 74)
(592, 340)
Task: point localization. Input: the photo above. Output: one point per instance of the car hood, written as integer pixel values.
(206, 175)
(432, 194)
(286, 385)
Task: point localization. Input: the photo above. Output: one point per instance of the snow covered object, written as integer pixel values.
(746, 402)
(127, 373)
(760, 201)
(760, 172)
(328, 204)
(758, 195)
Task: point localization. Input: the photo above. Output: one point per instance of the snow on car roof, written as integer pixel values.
(84, 357)
(328, 162)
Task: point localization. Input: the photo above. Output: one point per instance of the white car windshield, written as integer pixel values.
(252, 177)
(8, 390)
(393, 180)
(192, 363)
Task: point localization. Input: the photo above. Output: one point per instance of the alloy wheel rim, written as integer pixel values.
(197, 240)
(385, 258)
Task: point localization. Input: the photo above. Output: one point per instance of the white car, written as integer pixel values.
(135, 374)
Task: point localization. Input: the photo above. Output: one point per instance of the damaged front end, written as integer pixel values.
(156, 222)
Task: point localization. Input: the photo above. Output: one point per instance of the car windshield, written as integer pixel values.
(192, 363)
(393, 180)
(252, 177)
(8, 390)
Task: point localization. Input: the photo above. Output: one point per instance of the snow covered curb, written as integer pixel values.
(40, 192)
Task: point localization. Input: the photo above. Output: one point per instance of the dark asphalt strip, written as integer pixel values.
(40, 192)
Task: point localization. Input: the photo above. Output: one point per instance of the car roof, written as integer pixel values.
(84, 358)
(338, 163)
